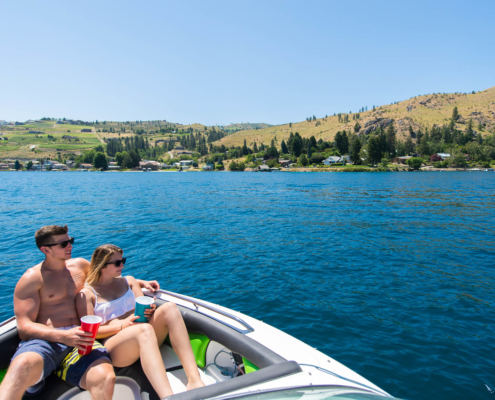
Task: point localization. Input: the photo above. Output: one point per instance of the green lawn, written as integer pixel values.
(8, 148)
(65, 146)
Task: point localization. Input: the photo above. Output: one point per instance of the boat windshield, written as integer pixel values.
(311, 393)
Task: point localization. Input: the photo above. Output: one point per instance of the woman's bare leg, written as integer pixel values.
(168, 320)
(139, 341)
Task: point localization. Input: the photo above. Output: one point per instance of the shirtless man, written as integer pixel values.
(49, 327)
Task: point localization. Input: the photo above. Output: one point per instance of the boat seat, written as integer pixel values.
(125, 389)
(175, 372)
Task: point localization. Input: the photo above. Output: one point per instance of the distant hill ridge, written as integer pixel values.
(417, 112)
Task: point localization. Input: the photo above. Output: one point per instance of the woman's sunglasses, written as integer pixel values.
(118, 263)
(63, 244)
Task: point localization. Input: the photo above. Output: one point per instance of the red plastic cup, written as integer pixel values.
(89, 323)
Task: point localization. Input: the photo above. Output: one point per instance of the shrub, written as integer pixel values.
(436, 157)
(415, 162)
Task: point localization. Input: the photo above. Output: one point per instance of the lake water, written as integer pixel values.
(389, 273)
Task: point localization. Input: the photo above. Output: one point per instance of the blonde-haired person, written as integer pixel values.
(112, 297)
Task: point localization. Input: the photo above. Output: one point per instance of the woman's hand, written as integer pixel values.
(129, 321)
(150, 311)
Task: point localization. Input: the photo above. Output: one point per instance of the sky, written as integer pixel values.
(221, 62)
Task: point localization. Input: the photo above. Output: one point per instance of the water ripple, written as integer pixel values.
(391, 274)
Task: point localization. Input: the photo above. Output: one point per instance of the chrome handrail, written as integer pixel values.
(200, 303)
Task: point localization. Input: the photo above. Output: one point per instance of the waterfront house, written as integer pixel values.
(444, 155)
(85, 166)
(59, 166)
(70, 163)
(284, 163)
(184, 163)
(333, 160)
(113, 165)
(4, 166)
(48, 164)
(166, 166)
(153, 165)
(263, 168)
(401, 160)
(208, 167)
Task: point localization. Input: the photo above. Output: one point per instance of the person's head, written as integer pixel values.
(107, 259)
(54, 242)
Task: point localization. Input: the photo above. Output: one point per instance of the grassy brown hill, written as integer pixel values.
(419, 112)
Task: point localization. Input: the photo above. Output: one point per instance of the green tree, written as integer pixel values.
(391, 139)
(415, 162)
(29, 165)
(284, 148)
(409, 146)
(357, 127)
(355, 149)
(459, 160)
(126, 160)
(241, 166)
(233, 166)
(303, 160)
(374, 150)
(297, 145)
(384, 162)
(119, 157)
(455, 114)
(469, 131)
(312, 142)
(310, 152)
(17, 165)
(100, 161)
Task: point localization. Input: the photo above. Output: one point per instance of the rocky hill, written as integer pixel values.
(417, 112)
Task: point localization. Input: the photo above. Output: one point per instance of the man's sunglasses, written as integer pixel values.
(63, 244)
(118, 263)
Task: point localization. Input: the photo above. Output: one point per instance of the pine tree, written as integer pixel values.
(391, 138)
(297, 145)
(455, 114)
(284, 148)
(355, 150)
(374, 150)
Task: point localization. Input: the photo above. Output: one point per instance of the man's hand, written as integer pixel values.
(75, 337)
(150, 285)
(150, 311)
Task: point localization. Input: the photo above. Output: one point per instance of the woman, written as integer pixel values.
(112, 297)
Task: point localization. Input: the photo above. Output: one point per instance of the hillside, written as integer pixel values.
(65, 139)
(419, 112)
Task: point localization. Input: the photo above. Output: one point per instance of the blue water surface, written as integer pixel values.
(389, 273)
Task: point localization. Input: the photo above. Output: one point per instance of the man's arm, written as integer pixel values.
(26, 307)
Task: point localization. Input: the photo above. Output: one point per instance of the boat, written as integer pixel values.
(238, 357)
(489, 170)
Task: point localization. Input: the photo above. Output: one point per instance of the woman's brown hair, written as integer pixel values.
(99, 261)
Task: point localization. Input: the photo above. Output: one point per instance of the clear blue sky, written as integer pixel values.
(216, 62)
